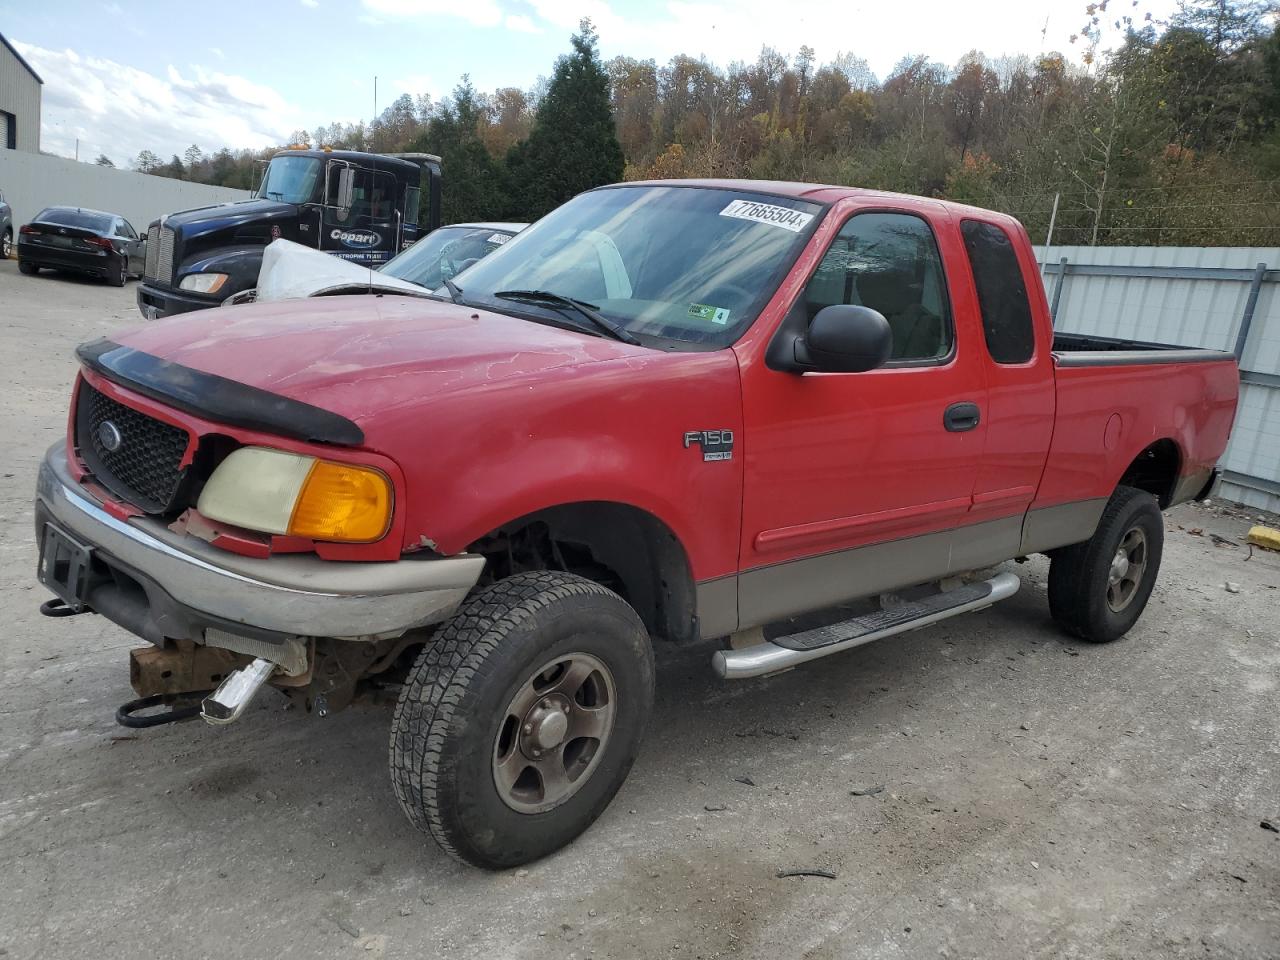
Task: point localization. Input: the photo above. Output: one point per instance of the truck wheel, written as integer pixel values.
(522, 717)
(1099, 588)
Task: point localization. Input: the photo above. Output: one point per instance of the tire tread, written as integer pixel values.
(460, 651)
(1072, 568)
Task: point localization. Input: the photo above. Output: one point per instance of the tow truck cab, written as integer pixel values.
(362, 207)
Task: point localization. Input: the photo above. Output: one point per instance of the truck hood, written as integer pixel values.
(290, 270)
(230, 216)
(361, 356)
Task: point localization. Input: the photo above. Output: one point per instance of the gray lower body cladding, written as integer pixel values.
(767, 594)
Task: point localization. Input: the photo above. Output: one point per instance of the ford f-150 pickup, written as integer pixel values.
(668, 411)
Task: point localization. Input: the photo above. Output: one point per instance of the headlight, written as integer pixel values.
(284, 493)
(203, 282)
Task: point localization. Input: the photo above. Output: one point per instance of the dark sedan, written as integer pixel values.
(81, 241)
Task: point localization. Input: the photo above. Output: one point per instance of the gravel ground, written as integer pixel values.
(1041, 798)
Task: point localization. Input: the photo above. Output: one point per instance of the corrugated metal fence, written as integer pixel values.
(1226, 298)
(33, 181)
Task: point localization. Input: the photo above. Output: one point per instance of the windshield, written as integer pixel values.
(70, 217)
(290, 179)
(683, 266)
(444, 253)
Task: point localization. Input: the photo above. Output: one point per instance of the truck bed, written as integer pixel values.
(1086, 350)
(1115, 396)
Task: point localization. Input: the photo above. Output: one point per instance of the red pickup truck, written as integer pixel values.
(667, 411)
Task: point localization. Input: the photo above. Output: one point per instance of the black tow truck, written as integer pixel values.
(363, 207)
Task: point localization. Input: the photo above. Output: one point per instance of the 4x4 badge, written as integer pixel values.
(715, 444)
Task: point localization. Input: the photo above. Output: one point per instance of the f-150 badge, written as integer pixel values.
(715, 444)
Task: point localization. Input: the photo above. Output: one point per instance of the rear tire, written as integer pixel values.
(121, 276)
(30, 269)
(1099, 588)
(481, 756)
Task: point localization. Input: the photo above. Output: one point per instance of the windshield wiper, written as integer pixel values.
(455, 291)
(581, 307)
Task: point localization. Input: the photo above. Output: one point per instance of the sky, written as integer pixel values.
(127, 75)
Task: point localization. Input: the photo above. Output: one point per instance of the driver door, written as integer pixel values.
(854, 481)
(365, 231)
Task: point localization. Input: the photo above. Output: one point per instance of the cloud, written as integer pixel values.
(480, 13)
(521, 24)
(310, 3)
(217, 52)
(120, 110)
(729, 30)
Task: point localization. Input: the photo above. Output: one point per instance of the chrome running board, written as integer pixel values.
(782, 653)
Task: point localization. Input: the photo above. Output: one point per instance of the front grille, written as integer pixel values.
(159, 265)
(164, 259)
(153, 252)
(144, 469)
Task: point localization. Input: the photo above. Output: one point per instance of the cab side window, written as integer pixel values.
(1002, 292)
(890, 263)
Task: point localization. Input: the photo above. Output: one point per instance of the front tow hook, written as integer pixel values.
(235, 693)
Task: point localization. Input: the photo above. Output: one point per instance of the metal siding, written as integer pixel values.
(1196, 313)
(32, 182)
(20, 95)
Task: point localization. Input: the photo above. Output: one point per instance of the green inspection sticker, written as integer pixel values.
(702, 311)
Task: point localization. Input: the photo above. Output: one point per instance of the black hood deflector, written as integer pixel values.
(216, 398)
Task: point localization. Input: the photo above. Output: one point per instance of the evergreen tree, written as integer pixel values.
(475, 187)
(104, 161)
(573, 145)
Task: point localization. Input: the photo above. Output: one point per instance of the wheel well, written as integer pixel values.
(1155, 470)
(622, 547)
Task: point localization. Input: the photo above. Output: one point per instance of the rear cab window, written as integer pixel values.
(1002, 292)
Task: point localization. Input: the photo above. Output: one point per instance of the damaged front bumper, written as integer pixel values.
(163, 585)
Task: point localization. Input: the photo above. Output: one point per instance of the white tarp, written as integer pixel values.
(291, 271)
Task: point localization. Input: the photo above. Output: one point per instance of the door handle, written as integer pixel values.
(960, 417)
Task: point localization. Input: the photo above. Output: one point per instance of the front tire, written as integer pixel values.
(6, 245)
(522, 717)
(1099, 588)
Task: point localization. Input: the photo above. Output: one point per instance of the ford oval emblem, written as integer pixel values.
(109, 436)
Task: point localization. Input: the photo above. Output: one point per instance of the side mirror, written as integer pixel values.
(844, 338)
(346, 189)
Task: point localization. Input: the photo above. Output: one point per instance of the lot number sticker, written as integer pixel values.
(775, 216)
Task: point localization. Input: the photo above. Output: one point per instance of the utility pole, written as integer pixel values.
(1048, 239)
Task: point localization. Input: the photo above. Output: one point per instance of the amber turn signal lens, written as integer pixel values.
(340, 501)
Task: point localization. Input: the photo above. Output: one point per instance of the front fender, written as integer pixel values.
(612, 431)
(241, 265)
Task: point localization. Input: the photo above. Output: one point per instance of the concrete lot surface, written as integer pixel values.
(1041, 797)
